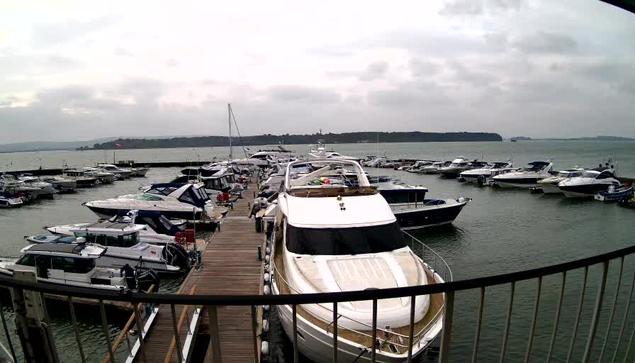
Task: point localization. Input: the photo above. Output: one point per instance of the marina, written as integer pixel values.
(229, 262)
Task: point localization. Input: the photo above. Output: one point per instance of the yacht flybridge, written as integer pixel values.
(320, 152)
(332, 238)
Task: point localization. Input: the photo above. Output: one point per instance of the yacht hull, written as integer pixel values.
(317, 345)
(428, 215)
(517, 183)
(583, 191)
(550, 188)
(111, 212)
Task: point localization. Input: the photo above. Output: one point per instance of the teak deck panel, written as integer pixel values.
(230, 267)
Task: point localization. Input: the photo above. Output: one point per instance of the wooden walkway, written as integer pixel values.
(230, 267)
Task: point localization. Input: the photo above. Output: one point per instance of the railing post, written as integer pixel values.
(626, 311)
(447, 327)
(554, 332)
(373, 354)
(508, 321)
(141, 333)
(596, 313)
(411, 330)
(6, 333)
(76, 329)
(214, 339)
(533, 320)
(294, 311)
(104, 326)
(577, 319)
(177, 335)
(479, 324)
(617, 294)
(335, 351)
(254, 331)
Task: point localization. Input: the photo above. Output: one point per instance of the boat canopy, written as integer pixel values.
(78, 250)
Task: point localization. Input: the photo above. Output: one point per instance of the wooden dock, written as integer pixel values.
(230, 266)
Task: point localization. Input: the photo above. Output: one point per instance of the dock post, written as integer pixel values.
(29, 316)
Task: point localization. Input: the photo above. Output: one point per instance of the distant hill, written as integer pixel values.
(330, 138)
(593, 138)
(49, 145)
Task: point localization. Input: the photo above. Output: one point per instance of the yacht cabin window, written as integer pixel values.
(344, 241)
(26, 260)
(127, 240)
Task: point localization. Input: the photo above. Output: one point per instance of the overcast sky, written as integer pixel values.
(542, 68)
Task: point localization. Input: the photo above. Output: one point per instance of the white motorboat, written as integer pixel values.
(102, 176)
(434, 168)
(62, 185)
(153, 227)
(458, 165)
(124, 247)
(418, 166)
(75, 265)
(550, 185)
(46, 189)
(139, 171)
(10, 201)
(111, 168)
(525, 178)
(80, 177)
(320, 152)
(375, 161)
(173, 200)
(11, 185)
(482, 174)
(588, 184)
(332, 238)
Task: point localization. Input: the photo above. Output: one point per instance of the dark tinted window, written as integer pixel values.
(344, 241)
(26, 260)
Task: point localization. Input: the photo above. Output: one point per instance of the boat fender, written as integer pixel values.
(268, 250)
(461, 199)
(265, 307)
(265, 325)
(267, 290)
(267, 278)
(267, 258)
(264, 349)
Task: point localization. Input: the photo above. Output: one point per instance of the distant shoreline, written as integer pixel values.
(287, 139)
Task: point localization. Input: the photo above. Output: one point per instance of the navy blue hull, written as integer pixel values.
(428, 217)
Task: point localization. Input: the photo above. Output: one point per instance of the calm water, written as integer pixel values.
(499, 231)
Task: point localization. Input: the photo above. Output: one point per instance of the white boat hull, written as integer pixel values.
(550, 188)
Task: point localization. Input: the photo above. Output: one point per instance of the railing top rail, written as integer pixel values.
(248, 300)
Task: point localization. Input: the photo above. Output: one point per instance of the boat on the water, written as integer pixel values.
(10, 201)
(76, 265)
(102, 176)
(61, 184)
(320, 152)
(80, 177)
(613, 194)
(123, 247)
(331, 238)
(9, 184)
(413, 211)
(434, 168)
(480, 175)
(153, 227)
(588, 184)
(174, 200)
(525, 178)
(46, 189)
(111, 168)
(455, 168)
(550, 185)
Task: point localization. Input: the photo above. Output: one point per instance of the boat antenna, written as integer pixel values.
(229, 120)
(231, 110)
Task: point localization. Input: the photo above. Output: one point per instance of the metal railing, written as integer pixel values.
(604, 313)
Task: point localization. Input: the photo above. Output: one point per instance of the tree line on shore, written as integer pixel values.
(329, 138)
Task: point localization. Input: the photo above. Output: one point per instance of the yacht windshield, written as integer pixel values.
(344, 241)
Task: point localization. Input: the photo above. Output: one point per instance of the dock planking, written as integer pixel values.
(230, 267)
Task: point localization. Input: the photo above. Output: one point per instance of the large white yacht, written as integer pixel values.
(173, 200)
(525, 178)
(332, 238)
(550, 185)
(589, 183)
(320, 152)
(482, 174)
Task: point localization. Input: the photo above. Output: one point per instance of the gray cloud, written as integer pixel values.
(373, 71)
(423, 67)
(54, 33)
(303, 94)
(547, 43)
(478, 7)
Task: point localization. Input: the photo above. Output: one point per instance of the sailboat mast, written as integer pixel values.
(229, 120)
